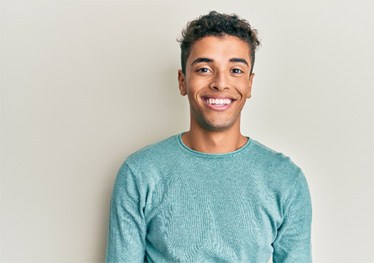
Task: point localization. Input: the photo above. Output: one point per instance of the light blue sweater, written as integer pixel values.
(173, 204)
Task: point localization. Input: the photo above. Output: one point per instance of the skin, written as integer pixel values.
(217, 67)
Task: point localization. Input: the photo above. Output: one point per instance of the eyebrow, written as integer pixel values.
(199, 60)
(210, 60)
(240, 60)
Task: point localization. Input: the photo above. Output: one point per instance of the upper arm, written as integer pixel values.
(293, 240)
(127, 228)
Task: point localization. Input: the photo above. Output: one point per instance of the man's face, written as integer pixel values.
(217, 81)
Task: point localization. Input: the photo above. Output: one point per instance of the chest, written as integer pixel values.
(213, 212)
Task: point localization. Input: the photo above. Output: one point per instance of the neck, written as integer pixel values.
(214, 141)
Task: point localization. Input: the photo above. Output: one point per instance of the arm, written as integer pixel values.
(293, 243)
(126, 238)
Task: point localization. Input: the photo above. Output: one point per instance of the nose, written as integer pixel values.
(219, 82)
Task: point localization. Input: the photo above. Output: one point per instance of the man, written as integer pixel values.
(211, 194)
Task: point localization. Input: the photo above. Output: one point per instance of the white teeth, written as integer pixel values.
(218, 101)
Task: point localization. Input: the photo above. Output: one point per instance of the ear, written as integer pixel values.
(182, 83)
(250, 85)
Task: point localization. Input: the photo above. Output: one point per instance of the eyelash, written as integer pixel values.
(235, 70)
(202, 70)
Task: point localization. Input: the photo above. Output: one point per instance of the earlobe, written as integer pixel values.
(181, 82)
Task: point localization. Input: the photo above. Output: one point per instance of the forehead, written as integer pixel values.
(220, 47)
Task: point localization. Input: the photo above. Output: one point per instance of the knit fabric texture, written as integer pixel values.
(173, 204)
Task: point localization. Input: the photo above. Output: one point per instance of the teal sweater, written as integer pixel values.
(173, 204)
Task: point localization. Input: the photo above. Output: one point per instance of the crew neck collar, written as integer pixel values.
(213, 155)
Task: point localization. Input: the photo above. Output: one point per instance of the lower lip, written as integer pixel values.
(217, 107)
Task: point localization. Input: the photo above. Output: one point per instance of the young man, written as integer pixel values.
(211, 194)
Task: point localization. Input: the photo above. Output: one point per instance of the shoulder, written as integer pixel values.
(153, 155)
(281, 175)
(143, 166)
(277, 164)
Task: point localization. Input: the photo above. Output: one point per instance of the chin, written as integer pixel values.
(218, 126)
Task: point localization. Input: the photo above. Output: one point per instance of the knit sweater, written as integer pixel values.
(173, 204)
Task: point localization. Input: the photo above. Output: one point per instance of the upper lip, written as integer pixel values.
(222, 97)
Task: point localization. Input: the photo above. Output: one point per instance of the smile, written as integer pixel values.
(218, 103)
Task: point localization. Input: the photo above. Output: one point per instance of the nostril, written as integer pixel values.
(219, 81)
(218, 86)
(212, 85)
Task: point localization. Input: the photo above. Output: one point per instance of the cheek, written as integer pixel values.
(195, 86)
(194, 97)
(244, 89)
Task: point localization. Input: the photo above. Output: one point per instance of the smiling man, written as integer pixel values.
(211, 194)
(217, 80)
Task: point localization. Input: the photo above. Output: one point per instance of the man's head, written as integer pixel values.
(216, 76)
(216, 24)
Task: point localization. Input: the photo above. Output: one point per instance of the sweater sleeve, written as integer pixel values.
(126, 237)
(293, 241)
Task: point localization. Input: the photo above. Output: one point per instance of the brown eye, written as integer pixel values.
(203, 70)
(237, 71)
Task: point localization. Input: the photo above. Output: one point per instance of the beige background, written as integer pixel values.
(85, 83)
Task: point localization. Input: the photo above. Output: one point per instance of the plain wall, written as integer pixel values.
(86, 83)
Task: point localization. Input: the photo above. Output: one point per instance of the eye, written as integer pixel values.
(202, 70)
(237, 71)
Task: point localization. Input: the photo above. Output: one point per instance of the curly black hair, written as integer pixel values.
(216, 24)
